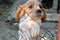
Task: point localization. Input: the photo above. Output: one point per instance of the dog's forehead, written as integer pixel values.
(34, 2)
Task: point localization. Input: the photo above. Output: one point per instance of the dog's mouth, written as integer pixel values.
(39, 14)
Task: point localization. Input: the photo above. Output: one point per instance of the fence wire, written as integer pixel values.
(45, 35)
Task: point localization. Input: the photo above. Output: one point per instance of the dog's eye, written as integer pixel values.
(30, 6)
(40, 6)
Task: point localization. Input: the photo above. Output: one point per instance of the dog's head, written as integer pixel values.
(34, 8)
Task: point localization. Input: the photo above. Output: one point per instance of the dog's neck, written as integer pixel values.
(29, 18)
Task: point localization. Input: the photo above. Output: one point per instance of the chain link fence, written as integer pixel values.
(47, 34)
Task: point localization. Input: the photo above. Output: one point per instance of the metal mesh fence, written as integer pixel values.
(46, 34)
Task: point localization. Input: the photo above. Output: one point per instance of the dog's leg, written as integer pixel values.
(34, 38)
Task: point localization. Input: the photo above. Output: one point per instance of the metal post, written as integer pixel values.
(55, 2)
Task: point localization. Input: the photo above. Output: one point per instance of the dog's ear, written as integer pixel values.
(19, 13)
(43, 18)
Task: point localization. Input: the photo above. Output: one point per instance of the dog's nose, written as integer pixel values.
(39, 11)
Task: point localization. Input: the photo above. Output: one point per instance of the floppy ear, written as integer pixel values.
(43, 18)
(19, 13)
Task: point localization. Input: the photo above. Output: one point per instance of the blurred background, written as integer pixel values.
(8, 11)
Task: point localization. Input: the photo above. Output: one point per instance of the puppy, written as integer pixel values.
(30, 17)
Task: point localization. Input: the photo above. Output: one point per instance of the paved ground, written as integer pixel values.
(5, 28)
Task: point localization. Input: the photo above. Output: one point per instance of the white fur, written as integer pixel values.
(29, 27)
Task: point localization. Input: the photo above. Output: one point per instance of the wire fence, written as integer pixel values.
(45, 35)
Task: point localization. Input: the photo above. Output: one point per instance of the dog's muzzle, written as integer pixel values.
(39, 12)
